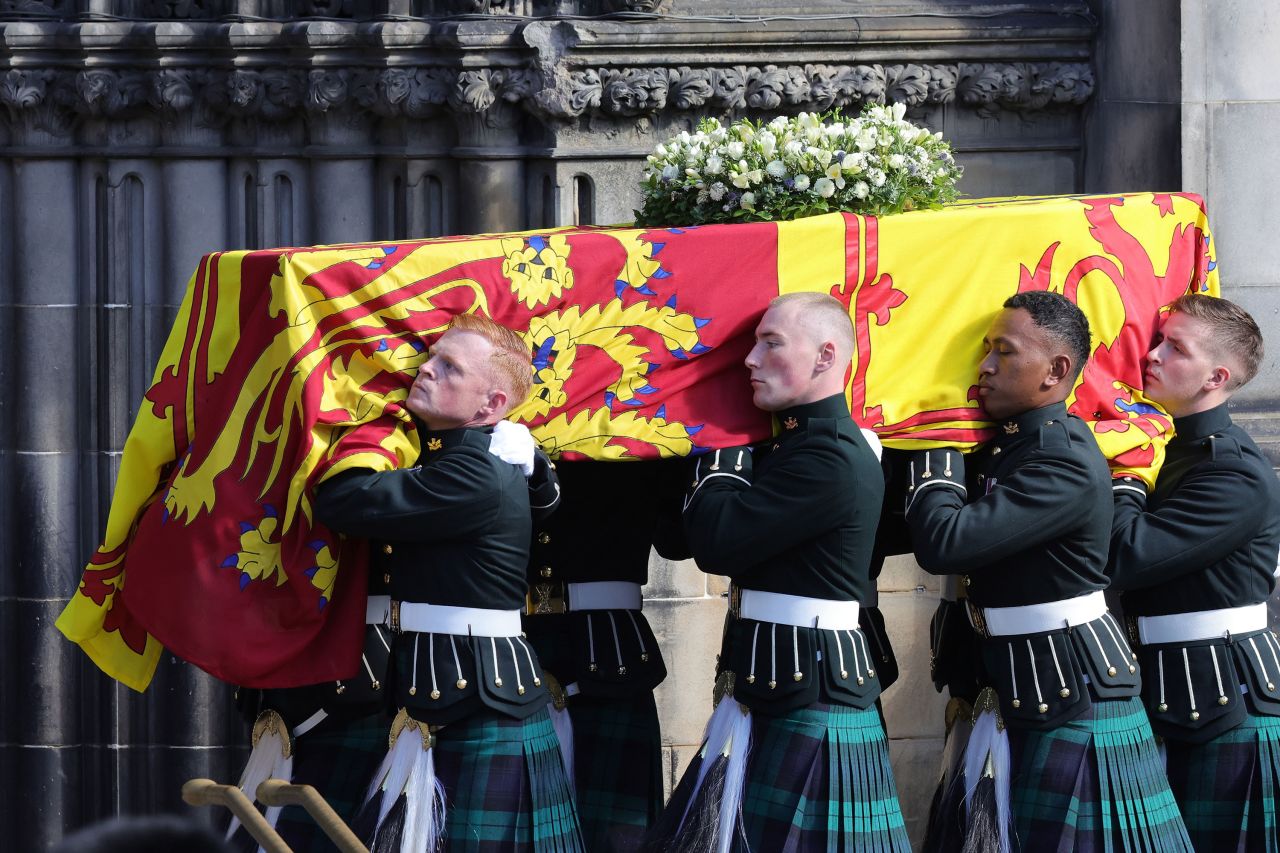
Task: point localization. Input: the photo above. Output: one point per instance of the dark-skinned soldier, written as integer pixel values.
(1028, 532)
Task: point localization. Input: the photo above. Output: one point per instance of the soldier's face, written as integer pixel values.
(454, 383)
(1180, 364)
(1019, 357)
(782, 361)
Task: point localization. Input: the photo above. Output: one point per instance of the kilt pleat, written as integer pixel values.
(1095, 783)
(1229, 788)
(618, 770)
(819, 779)
(506, 787)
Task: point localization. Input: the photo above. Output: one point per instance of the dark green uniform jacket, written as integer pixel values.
(453, 530)
(1206, 539)
(1030, 526)
(612, 515)
(798, 519)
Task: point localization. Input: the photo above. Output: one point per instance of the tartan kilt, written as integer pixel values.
(817, 779)
(338, 759)
(1095, 783)
(505, 786)
(617, 749)
(1229, 787)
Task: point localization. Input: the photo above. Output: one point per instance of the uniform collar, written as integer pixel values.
(435, 440)
(1028, 423)
(1201, 425)
(796, 418)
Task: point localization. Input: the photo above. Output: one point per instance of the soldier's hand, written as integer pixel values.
(942, 467)
(512, 442)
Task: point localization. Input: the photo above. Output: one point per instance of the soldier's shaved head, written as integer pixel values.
(824, 318)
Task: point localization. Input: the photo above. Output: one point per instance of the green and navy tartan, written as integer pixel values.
(338, 759)
(1095, 783)
(617, 749)
(818, 781)
(1229, 788)
(505, 786)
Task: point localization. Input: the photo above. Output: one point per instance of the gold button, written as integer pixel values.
(1017, 703)
(386, 577)
(462, 684)
(1195, 715)
(772, 685)
(1064, 692)
(871, 672)
(497, 682)
(1132, 669)
(751, 679)
(1222, 700)
(546, 571)
(387, 549)
(413, 691)
(860, 679)
(1043, 709)
(1162, 707)
(622, 670)
(544, 538)
(435, 694)
(799, 676)
(844, 673)
(995, 451)
(1111, 671)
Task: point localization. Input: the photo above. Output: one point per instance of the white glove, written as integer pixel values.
(513, 443)
(873, 441)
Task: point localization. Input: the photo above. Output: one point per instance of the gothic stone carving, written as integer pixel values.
(50, 98)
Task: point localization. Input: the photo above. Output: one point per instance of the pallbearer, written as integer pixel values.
(1197, 560)
(795, 757)
(585, 618)
(1027, 532)
(474, 759)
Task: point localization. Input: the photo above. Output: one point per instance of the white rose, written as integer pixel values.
(825, 187)
(767, 142)
(896, 161)
(866, 140)
(852, 163)
(714, 165)
(735, 149)
(899, 110)
(776, 169)
(692, 174)
(861, 190)
(802, 182)
(793, 148)
(755, 176)
(748, 201)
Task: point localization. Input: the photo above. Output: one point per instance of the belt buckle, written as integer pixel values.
(976, 619)
(393, 619)
(545, 599)
(735, 601)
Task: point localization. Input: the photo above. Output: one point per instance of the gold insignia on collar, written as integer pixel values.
(434, 444)
(1010, 428)
(790, 423)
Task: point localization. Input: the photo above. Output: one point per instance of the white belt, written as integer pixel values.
(798, 610)
(378, 610)
(605, 595)
(446, 619)
(1202, 624)
(1037, 618)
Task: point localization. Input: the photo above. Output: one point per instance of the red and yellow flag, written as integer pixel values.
(289, 365)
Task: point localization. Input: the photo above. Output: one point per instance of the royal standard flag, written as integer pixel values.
(289, 365)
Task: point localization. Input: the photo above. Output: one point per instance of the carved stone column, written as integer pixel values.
(489, 153)
(340, 132)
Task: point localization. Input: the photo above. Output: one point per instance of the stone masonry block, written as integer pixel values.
(689, 633)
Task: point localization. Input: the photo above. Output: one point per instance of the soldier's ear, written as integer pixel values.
(1219, 378)
(495, 405)
(826, 357)
(1060, 370)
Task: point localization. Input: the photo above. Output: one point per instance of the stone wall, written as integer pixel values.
(136, 135)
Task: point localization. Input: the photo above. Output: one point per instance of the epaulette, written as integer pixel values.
(1223, 446)
(1054, 434)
